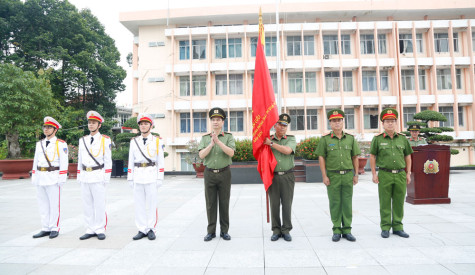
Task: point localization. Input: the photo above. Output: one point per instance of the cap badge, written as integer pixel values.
(335, 112)
(216, 111)
(389, 111)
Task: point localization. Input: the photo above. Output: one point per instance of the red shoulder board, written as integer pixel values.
(60, 140)
(160, 138)
(106, 136)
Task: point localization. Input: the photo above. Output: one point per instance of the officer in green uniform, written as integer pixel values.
(391, 152)
(217, 149)
(415, 140)
(282, 188)
(338, 156)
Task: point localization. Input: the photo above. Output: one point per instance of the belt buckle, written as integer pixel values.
(88, 169)
(44, 169)
(280, 173)
(215, 171)
(143, 164)
(342, 172)
(394, 171)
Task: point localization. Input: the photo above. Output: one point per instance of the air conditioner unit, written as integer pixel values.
(326, 56)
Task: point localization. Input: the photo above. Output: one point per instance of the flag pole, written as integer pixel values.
(267, 205)
(279, 101)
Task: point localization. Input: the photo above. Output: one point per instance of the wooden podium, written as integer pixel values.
(430, 175)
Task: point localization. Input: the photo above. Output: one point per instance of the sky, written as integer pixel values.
(107, 11)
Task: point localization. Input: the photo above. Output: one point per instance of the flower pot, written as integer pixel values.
(312, 171)
(199, 169)
(361, 164)
(16, 168)
(245, 172)
(72, 171)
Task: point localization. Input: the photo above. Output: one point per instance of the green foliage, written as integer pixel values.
(446, 129)
(422, 124)
(307, 147)
(243, 151)
(24, 101)
(434, 130)
(3, 149)
(440, 138)
(73, 153)
(131, 123)
(122, 143)
(193, 152)
(454, 151)
(429, 115)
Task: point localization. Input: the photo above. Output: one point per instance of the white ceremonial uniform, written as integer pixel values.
(49, 183)
(93, 181)
(146, 180)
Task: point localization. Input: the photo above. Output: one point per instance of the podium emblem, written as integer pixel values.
(431, 167)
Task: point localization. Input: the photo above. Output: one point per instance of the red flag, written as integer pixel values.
(264, 113)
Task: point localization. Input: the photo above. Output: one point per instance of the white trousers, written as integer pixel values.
(146, 212)
(49, 201)
(94, 200)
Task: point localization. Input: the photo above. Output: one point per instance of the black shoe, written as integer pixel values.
(275, 237)
(209, 237)
(225, 236)
(53, 234)
(41, 234)
(139, 236)
(401, 233)
(336, 237)
(385, 234)
(349, 237)
(287, 237)
(151, 235)
(101, 236)
(87, 236)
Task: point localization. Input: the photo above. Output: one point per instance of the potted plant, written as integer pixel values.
(364, 156)
(194, 159)
(73, 161)
(306, 149)
(24, 101)
(244, 167)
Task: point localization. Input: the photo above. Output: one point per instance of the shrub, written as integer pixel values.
(307, 148)
(73, 153)
(243, 151)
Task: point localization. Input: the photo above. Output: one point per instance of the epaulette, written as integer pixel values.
(60, 140)
(290, 135)
(106, 136)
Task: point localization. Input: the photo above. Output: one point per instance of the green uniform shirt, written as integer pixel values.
(419, 141)
(284, 162)
(217, 159)
(338, 152)
(389, 152)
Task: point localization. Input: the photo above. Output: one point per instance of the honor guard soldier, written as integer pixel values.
(415, 140)
(391, 152)
(146, 172)
(94, 172)
(49, 172)
(217, 149)
(338, 155)
(283, 183)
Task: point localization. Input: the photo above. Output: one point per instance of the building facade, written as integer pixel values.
(187, 61)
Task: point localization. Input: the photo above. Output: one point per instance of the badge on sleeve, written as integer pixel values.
(65, 150)
(110, 146)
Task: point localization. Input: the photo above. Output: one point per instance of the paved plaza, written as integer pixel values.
(442, 236)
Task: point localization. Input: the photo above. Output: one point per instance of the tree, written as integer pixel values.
(24, 101)
(71, 45)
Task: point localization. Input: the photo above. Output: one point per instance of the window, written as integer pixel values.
(369, 81)
(309, 45)
(294, 45)
(184, 85)
(273, 77)
(419, 42)
(312, 119)
(199, 122)
(235, 84)
(270, 48)
(330, 44)
(458, 78)
(295, 83)
(236, 121)
(348, 81)
(460, 116)
(456, 42)
(382, 43)
(448, 112)
(422, 79)
(444, 79)
(405, 43)
(184, 165)
(184, 50)
(220, 46)
(408, 115)
(332, 81)
(345, 44)
(473, 41)
(297, 118)
(235, 47)
(441, 41)
(367, 43)
(384, 80)
(185, 122)
(349, 118)
(407, 80)
(221, 85)
(310, 82)
(199, 85)
(199, 49)
(371, 117)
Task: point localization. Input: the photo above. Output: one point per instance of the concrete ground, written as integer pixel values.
(442, 236)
